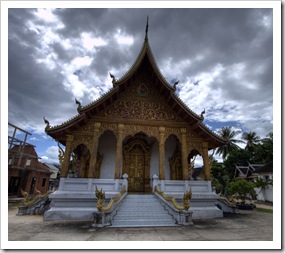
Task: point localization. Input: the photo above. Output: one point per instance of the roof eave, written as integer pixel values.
(66, 125)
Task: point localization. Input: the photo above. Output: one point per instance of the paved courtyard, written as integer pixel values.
(245, 226)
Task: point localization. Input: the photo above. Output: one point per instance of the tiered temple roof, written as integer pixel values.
(144, 61)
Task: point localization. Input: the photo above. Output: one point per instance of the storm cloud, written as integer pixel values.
(223, 59)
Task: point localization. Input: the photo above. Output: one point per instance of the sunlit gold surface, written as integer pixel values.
(186, 199)
(101, 199)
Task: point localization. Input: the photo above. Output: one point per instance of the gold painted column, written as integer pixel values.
(94, 150)
(67, 154)
(161, 153)
(119, 149)
(184, 154)
(206, 161)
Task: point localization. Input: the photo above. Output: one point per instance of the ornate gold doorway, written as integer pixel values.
(137, 164)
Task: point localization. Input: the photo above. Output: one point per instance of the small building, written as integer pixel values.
(28, 173)
(265, 172)
(262, 171)
(247, 171)
(54, 177)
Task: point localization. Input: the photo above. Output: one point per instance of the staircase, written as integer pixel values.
(142, 211)
(39, 207)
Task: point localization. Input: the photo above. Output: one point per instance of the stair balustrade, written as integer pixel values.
(180, 213)
(104, 214)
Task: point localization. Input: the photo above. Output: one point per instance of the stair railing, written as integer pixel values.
(101, 199)
(180, 213)
(34, 204)
(186, 199)
(105, 213)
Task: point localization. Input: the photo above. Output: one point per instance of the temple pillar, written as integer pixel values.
(205, 156)
(119, 149)
(94, 150)
(67, 154)
(161, 153)
(184, 154)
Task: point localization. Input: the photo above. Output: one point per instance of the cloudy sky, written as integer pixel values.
(222, 58)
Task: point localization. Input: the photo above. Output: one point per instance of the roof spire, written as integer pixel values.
(146, 30)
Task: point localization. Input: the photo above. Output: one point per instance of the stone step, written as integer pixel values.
(142, 211)
(141, 206)
(143, 223)
(142, 216)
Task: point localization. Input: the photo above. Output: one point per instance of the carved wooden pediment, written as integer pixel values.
(141, 101)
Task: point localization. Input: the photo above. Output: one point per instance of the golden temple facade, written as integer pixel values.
(140, 127)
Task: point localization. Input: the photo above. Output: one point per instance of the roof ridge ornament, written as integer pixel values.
(47, 123)
(146, 30)
(78, 105)
(175, 84)
(202, 115)
(113, 79)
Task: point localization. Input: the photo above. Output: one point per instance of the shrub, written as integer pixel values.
(242, 188)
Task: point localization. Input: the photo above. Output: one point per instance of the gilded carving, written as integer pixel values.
(176, 165)
(185, 200)
(94, 149)
(184, 153)
(141, 102)
(29, 200)
(175, 131)
(119, 146)
(98, 165)
(137, 164)
(134, 129)
(101, 199)
(127, 109)
(108, 126)
(67, 153)
(60, 155)
(82, 139)
(194, 145)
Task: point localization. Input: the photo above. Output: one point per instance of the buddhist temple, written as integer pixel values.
(139, 128)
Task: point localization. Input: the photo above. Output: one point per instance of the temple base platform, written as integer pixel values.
(76, 200)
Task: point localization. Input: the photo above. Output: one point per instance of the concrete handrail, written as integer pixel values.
(181, 214)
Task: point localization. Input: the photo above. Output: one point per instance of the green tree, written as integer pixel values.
(252, 139)
(242, 188)
(228, 134)
(263, 152)
(219, 176)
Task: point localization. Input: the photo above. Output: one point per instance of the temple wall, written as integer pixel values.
(154, 160)
(107, 147)
(170, 146)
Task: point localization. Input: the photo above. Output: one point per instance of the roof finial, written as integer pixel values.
(146, 30)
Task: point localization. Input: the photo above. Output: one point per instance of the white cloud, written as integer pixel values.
(80, 62)
(198, 161)
(124, 39)
(51, 155)
(46, 15)
(89, 42)
(234, 69)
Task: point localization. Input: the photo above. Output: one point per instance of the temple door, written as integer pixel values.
(137, 165)
(136, 169)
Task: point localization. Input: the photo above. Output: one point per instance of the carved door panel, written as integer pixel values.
(136, 163)
(136, 168)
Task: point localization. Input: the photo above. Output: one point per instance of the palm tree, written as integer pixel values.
(263, 184)
(228, 134)
(251, 139)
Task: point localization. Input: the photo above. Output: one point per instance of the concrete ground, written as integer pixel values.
(245, 226)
